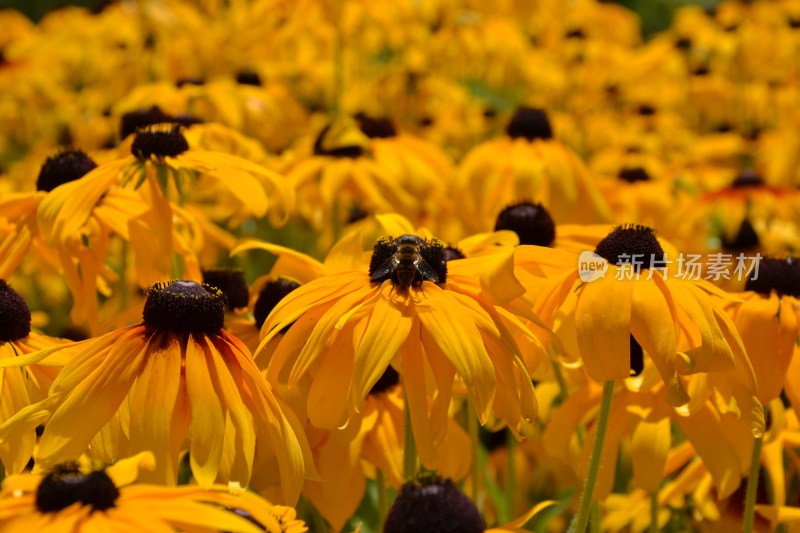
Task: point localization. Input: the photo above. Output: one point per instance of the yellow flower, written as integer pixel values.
(75, 498)
(20, 387)
(80, 254)
(373, 442)
(162, 158)
(768, 320)
(674, 321)
(346, 328)
(526, 164)
(176, 376)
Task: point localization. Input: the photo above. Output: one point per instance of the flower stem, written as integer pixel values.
(474, 436)
(409, 445)
(511, 476)
(582, 519)
(654, 512)
(752, 485)
(383, 500)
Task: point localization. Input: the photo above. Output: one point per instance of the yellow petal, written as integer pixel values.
(602, 323)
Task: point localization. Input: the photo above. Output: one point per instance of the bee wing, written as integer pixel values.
(385, 270)
(426, 270)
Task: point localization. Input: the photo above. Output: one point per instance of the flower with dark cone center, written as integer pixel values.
(388, 379)
(408, 261)
(67, 485)
(633, 175)
(184, 307)
(632, 244)
(272, 293)
(745, 239)
(159, 140)
(67, 165)
(637, 357)
(231, 283)
(779, 275)
(376, 128)
(248, 77)
(747, 178)
(433, 505)
(531, 222)
(15, 317)
(352, 152)
(530, 123)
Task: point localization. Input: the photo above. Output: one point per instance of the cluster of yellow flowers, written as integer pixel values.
(399, 266)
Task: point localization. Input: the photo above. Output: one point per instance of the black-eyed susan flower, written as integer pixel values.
(373, 442)
(768, 319)
(175, 381)
(20, 387)
(342, 171)
(73, 497)
(527, 163)
(174, 173)
(346, 328)
(673, 321)
(98, 217)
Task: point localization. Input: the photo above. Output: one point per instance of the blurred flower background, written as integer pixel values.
(401, 266)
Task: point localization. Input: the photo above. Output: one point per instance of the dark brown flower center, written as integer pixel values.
(531, 222)
(15, 317)
(248, 77)
(433, 505)
(781, 276)
(184, 307)
(632, 244)
(67, 165)
(633, 175)
(67, 485)
(745, 239)
(530, 123)
(130, 122)
(231, 283)
(272, 293)
(160, 141)
(376, 128)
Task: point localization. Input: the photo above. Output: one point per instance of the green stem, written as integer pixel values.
(409, 445)
(383, 499)
(594, 521)
(472, 428)
(654, 512)
(511, 477)
(563, 392)
(582, 519)
(752, 485)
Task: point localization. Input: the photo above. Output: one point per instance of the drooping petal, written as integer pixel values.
(602, 323)
(458, 337)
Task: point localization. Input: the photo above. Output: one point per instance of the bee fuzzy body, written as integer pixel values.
(406, 267)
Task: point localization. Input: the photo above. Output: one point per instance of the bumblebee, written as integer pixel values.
(406, 267)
